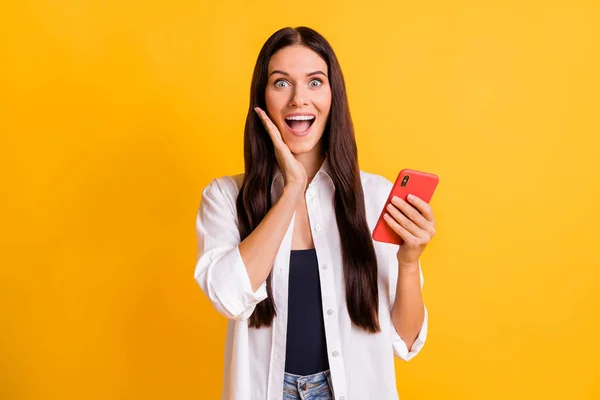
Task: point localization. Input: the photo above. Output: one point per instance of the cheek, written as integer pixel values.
(274, 100)
(271, 106)
(323, 103)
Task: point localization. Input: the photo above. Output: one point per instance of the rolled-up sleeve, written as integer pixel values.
(220, 270)
(400, 348)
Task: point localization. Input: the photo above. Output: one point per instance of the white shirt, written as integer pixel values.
(361, 364)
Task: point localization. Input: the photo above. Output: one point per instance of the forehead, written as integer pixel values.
(297, 59)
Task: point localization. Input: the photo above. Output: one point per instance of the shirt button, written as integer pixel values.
(329, 312)
(312, 192)
(318, 228)
(335, 354)
(324, 266)
(342, 398)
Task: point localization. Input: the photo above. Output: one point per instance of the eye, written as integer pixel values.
(315, 83)
(281, 83)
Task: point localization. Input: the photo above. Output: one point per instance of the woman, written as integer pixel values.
(285, 249)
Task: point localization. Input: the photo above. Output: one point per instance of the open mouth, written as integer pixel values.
(300, 123)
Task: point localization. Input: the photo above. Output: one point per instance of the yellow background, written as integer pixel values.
(114, 116)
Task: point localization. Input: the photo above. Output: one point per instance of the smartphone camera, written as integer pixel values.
(405, 180)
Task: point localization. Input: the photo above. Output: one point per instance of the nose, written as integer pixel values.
(300, 97)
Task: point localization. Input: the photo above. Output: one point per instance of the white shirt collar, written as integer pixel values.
(324, 170)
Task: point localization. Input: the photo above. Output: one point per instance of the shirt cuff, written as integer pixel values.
(233, 288)
(401, 350)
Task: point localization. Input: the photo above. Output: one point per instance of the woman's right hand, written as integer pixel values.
(293, 171)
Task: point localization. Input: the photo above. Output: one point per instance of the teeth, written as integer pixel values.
(301, 118)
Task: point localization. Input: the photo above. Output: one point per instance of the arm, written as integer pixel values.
(415, 224)
(230, 273)
(260, 248)
(408, 310)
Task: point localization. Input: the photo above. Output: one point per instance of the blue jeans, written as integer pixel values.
(308, 387)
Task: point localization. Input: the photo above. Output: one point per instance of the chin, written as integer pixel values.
(301, 148)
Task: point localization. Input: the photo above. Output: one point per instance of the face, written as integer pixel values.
(298, 97)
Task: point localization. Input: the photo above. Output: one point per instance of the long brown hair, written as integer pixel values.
(254, 199)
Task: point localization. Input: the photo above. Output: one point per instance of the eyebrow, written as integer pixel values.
(276, 71)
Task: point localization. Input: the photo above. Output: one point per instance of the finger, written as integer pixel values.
(411, 212)
(269, 126)
(423, 207)
(266, 121)
(400, 230)
(405, 222)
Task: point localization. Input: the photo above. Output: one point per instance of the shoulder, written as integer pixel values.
(372, 183)
(224, 190)
(229, 185)
(375, 183)
(376, 189)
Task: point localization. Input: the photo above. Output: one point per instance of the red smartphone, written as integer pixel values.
(421, 184)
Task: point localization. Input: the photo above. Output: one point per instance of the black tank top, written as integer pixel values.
(306, 348)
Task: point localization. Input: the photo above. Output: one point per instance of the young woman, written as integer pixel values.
(316, 308)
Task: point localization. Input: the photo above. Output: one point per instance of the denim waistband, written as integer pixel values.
(307, 386)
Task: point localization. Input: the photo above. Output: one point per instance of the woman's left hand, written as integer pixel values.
(413, 221)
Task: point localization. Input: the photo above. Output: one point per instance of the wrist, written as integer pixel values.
(408, 265)
(294, 187)
(295, 192)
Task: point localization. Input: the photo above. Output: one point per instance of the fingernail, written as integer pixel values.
(411, 197)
